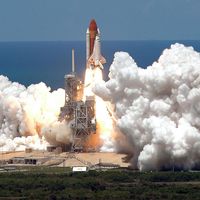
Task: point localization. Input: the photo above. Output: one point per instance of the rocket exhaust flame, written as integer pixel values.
(104, 121)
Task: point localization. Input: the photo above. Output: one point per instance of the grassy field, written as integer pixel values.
(60, 183)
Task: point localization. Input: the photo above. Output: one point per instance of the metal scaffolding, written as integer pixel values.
(83, 125)
(81, 114)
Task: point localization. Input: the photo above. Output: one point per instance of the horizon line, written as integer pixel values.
(134, 40)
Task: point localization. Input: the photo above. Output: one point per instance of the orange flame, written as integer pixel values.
(104, 121)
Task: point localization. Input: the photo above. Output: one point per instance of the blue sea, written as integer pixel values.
(48, 62)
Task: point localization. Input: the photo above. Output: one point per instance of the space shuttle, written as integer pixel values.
(93, 47)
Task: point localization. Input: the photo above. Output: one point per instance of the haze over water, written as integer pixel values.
(34, 62)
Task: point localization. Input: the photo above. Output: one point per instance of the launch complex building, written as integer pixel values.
(76, 111)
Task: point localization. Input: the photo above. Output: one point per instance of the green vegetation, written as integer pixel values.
(61, 183)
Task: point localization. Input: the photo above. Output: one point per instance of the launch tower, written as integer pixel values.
(80, 114)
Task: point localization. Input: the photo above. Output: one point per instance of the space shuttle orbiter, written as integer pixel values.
(93, 47)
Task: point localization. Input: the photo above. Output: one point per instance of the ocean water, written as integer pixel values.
(48, 62)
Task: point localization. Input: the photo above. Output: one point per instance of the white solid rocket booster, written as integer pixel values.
(87, 44)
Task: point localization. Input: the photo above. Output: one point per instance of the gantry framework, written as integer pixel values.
(81, 114)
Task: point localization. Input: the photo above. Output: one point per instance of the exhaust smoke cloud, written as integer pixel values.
(29, 116)
(157, 109)
(153, 114)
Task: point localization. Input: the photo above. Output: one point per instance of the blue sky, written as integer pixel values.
(63, 20)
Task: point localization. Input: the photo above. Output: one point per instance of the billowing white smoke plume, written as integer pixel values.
(29, 116)
(157, 109)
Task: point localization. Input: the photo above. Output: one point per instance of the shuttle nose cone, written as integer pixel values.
(93, 25)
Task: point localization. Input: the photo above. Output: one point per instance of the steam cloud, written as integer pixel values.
(28, 116)
(157, 109)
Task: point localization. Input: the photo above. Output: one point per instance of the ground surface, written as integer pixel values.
(68, 159)
(61, 183)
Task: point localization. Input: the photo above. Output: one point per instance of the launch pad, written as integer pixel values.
(93, 160)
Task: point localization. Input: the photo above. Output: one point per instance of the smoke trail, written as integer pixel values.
(28, 116)
(157, 109)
